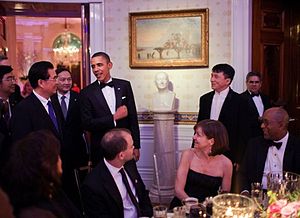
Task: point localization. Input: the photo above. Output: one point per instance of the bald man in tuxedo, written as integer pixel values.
(276, 151)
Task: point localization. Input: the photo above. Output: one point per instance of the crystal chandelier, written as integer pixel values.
(66, 47)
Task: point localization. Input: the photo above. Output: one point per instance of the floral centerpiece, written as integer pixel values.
(285, 207)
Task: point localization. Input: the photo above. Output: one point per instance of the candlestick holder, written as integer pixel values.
(233, 205)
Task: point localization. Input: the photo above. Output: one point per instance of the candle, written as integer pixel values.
(232, 206)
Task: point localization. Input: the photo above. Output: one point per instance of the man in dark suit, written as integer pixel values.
(7, 103)
(224, 104)
(36, 111)
(73, 149)
(257, 103)
(108, 103)
(277, 150)
(114, 188)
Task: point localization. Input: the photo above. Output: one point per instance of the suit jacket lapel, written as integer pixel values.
(72, 101)
(110, 185)
(100, 97)
(118, 93)
(56, 105)
(288, 153)
(209, 104)
(226, 102)
(252, 104)
(262, 151)
(46, 115)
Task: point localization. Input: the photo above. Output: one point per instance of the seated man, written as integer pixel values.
(277, 150)
(115, 188)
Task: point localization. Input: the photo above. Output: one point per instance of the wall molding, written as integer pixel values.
(187, 118)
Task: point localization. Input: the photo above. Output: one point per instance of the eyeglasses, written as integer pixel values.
(10, 79)
(253, 82)
(52, 79)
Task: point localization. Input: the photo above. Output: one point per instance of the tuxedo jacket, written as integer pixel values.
(98, 119)
(101, 196)
(252, 113)
(73, 149)
(253, 165)
(232, 116)
(30, 115)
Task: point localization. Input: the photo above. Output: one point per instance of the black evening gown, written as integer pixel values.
(199, 185)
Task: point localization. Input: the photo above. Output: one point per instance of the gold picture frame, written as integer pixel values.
(168, 39)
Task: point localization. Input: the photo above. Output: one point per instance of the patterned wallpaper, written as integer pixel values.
(188, 84)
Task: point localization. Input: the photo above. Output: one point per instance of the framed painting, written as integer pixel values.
(168, 39)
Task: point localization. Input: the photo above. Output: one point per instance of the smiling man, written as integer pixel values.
(256, 102)
(7, 103)
(36, 111)
(73, 149)
(276, 151)
(224, 104)
(106, 104)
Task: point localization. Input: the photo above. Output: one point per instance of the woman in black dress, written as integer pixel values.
(203, 170)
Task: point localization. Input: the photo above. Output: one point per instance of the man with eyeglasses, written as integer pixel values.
(36, 111)
(276, 150)
(74, 149)
(256, 101)
(7, 103)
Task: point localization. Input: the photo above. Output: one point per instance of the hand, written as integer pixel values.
(121, 112)
(136, 154)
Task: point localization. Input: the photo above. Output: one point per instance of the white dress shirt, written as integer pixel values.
(217, 103)
(129, 208)
(43, 100)
(274, 160)
(258, 104)
(110, 97)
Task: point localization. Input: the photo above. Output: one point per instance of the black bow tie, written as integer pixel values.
(276, 144)
(110, 84)
(254, 94)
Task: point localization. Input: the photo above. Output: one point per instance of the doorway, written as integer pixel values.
(33, 32)
(276, 53)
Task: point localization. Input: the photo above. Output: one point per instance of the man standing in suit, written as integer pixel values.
(73, 149)
(224, 104)
(7, 103)
(108, 103)
(114, 188)
(36, 111)
(257, 103)
(277, 150)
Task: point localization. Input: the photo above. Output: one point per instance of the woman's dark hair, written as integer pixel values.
(31, 173)
(216, 130)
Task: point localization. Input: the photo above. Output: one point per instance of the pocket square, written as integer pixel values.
(123, 97)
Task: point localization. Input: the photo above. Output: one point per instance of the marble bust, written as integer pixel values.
(163, 99)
